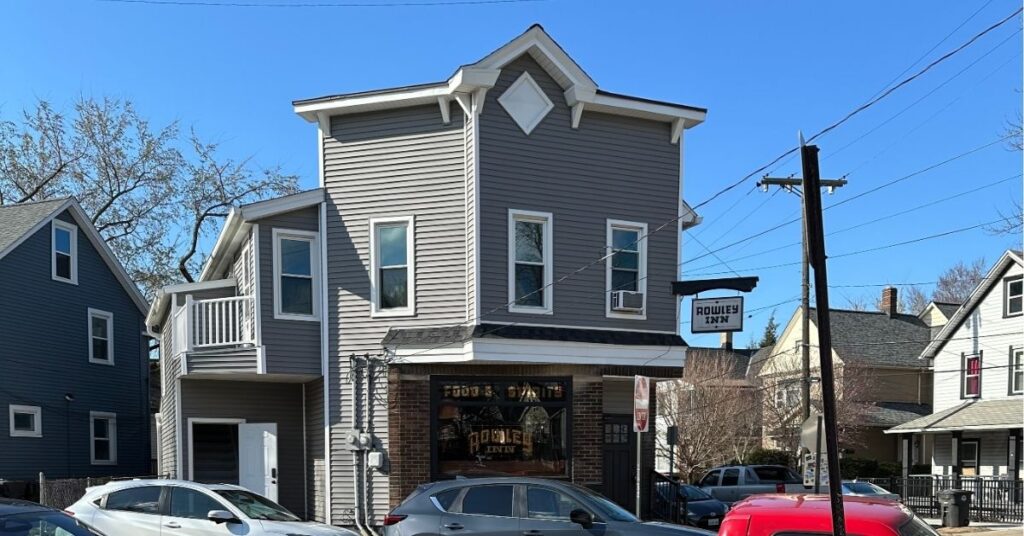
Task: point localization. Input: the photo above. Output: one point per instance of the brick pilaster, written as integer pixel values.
(409, 433)
(587, 430)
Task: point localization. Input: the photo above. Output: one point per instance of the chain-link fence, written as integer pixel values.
(56, 493)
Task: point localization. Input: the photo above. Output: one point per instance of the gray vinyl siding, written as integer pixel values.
(292, 346)
(389, 163)
(471, 214)
(256, 402)
(170, 369)
(316, 491)
(45, 354)
(228, 361)
(611, 167)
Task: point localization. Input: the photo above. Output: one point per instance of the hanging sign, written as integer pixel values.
(641, 403)
(716, 315)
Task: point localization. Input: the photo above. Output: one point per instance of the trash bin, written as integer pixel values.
(955, 505)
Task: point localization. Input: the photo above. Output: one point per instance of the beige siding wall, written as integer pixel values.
(403, 162)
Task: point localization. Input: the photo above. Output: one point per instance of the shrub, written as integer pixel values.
(770, 457)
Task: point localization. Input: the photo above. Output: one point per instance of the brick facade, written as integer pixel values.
(409, 419)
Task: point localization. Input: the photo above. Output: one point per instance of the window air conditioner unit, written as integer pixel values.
(628, 301)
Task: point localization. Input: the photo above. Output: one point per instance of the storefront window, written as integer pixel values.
(501, 427)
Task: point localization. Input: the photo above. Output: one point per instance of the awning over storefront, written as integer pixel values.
(511, 343)
(971, 415)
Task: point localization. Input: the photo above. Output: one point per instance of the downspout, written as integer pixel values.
(354, 380)
(367, 425)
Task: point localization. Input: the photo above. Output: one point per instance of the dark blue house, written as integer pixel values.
(74, 374)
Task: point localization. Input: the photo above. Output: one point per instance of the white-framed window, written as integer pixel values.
(64, 251)
(393, 262)
(1013, 290)
(530, 262)
(969, 457)
(26, 421)
(103, 438)
(972, 376)
(296, 274)
(626, 265)
(1016, 371)
(787, 396)
(101, 337)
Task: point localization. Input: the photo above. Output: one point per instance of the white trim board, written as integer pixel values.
(483, 350)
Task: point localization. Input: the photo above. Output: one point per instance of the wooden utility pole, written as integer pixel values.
(816, 255)
(790, 184)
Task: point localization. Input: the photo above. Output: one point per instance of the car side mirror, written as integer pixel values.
(581, 518)
(222, 516)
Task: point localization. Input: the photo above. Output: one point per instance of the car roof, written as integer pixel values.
(17, 506)
(801, 508)
(477, 481)
(139, 482)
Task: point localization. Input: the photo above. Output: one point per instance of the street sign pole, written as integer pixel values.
(641, 423)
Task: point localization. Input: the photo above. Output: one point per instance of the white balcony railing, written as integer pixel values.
(214, 323)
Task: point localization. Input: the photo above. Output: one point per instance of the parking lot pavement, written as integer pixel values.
(985, 530)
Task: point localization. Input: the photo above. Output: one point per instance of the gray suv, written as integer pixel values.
(517, 507)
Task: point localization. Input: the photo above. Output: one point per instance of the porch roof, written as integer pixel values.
(971, 415)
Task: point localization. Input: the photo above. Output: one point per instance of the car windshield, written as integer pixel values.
(46, 523)
(607, 508)
(775, 474)
(917, 527)
(693, 494)
(256, 507)
(863, 487)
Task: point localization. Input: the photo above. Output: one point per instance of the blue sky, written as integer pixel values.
(763, 69)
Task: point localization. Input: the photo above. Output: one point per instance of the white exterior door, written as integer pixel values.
(257, 458)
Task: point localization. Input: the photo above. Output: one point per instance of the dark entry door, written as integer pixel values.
(619, 464)
(215, 453)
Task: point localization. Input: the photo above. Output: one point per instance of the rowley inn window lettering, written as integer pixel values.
(530, 263)
(1014, 291)
(64, 264)
(295, 274)
(393, 257)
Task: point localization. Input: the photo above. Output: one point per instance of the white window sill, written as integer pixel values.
(626, 316)
(393, 313)
(101, 462)
(530, 310)
(62, 280)
(26, 434)
(108, 362)
(303, 318)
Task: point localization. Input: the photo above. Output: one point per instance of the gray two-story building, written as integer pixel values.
(470, 291)
(74, 367)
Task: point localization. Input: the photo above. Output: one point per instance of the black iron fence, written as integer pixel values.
(993, 498)
(666, 501)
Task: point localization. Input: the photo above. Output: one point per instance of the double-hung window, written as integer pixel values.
(103, 438)
(64, 251)
(1013, 290)
(1016, 371)
(530, 262)
(26, 421)
(296, 295)
(626, 264)
(101, 337)
(393, 279)
(972, 376)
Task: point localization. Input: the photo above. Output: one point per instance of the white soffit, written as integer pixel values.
(526, 103)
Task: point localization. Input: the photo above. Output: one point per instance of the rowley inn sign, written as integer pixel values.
(717, 315)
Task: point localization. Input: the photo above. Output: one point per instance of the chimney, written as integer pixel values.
(890, 301)
(726, 338)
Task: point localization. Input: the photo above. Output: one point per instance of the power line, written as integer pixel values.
(876, 220)
(863, 107)
(208, 3)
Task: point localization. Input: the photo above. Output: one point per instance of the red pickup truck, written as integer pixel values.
(811, 515)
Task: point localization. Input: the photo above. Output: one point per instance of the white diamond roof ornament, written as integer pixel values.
(525, 102)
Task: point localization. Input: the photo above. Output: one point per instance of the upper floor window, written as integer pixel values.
(64, 261)
(101, 337)
(392, 256)
(530, 262)
(972, 376)
(626, 268)
(295, 274)
(1016, 370)
(26, 421)
(1013, 289)
(103, 437)
(787, 396)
